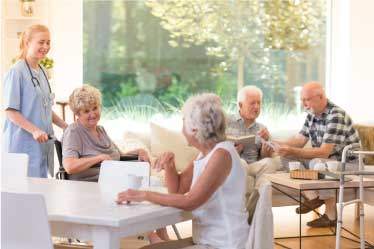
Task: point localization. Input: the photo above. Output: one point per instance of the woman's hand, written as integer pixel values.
(103, 157)
(131, 195)
(164, 162)
(40, 136)
(143, 155)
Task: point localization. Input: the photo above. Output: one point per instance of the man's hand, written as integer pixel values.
(283, 150)
(239, 148)
(264, 133)
(266, 150)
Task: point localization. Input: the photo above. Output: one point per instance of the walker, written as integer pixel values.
(348, 150)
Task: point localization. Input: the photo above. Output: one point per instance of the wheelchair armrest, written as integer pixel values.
(129, 158)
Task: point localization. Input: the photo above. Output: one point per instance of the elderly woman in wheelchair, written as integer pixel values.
(85, 144)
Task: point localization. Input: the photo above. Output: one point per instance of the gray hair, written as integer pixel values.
(204, 113)
(84, 97)
(243, 93)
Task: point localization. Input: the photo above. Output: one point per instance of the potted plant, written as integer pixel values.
(47, 63)
(27, 7)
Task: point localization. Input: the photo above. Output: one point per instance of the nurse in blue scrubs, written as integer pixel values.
(28, 101)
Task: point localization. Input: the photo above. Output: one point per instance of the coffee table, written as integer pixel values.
(280, 180)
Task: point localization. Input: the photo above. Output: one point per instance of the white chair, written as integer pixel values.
(114, 178)
(14, 164)
(114, 174)
(24, 222)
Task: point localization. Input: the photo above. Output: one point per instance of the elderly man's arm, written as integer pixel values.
(298, 141)
(215, 173)
(306, 153)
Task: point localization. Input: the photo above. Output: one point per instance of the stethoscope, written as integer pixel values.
(35, 80)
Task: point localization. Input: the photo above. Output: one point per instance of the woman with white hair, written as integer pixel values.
(212, 186)
(85, 144)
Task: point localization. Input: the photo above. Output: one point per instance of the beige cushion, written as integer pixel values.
(139, 137)
(130, 144)
(164, 139)
(366, 133)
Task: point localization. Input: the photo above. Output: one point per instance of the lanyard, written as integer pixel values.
(35, 80)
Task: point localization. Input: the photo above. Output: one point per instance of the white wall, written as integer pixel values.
(361, 97)
(351, 83)
(66, 24)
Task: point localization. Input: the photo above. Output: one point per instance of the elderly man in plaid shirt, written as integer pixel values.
(330, 129)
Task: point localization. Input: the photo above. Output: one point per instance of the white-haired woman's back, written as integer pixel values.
(212, 186)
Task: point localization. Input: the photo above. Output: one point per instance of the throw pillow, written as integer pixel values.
(164, 139)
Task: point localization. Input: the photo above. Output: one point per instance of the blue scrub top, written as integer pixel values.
(35, 104)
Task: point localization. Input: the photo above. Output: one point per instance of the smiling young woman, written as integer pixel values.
(28, 101)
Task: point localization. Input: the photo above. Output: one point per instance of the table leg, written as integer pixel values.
(104, 238)
(300, 219)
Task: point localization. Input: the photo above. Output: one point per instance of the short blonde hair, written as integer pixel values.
(26, 36)
(204, 113)
(243, 92)
(84, 97)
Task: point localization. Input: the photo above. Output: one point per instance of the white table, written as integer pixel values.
(81, 210)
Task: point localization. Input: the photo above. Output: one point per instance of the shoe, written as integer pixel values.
(322, 221)
(309, 205)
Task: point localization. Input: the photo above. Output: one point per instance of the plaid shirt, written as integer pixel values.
(236, 127)
(333, 126)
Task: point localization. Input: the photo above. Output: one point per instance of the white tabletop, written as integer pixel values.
(85, 203)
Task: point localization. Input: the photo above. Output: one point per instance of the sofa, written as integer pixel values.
(161, 135)
(366, 132)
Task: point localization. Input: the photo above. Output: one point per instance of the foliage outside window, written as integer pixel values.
(149, 56)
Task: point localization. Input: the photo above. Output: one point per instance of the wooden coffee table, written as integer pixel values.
(280, 180)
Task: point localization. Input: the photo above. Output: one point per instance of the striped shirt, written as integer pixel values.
(236, 127)
(333, 126)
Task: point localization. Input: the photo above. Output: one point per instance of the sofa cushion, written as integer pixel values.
(164, 139)
(366, 133)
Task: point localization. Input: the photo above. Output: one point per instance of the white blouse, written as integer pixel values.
(221, 222)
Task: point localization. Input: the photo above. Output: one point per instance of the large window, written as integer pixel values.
(148, 56)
